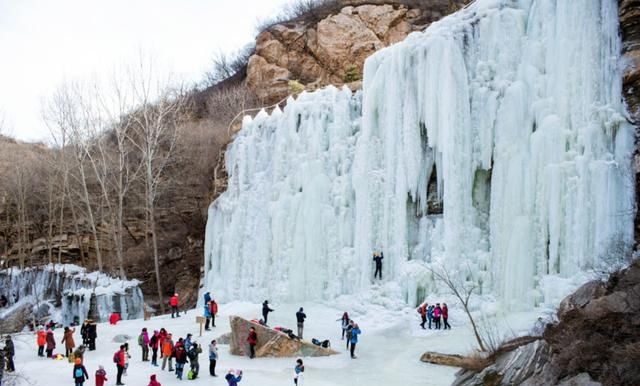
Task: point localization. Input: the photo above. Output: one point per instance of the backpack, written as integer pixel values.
(191, 375)
(325, 343)
(78, 373)
(191, 354)
(140, 340)
(316, 342)
(116, 357)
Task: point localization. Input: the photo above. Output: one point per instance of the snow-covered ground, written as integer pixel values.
(388, 353)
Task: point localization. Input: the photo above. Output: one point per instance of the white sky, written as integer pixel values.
(45, 42)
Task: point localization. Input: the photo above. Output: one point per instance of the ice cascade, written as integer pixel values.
(494, 142)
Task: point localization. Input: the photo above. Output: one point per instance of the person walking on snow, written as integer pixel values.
(167, 350)
(252, 339)
(213, 357)
(422, 310)
(143, 342)
(153, 382)
(9, 352)
(173, 302)
(233, 380)
(298, 372)
(300, 317)
(354, 339)
(101, 376)
(377, 257)
(67, 339)
(154, 344)
(119, 360)
(437, 313)
(445, 316)
(344, 323)
(41, 341)
(80, 373)
(265, 311)
(51, 343)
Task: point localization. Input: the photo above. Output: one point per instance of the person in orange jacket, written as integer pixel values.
(41, 341)
(167, 350)
(173, 302)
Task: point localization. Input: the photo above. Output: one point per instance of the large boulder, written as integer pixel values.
(271, 343)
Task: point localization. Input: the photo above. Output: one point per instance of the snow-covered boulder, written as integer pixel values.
(271, 343)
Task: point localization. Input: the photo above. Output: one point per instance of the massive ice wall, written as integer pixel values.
(509, 112)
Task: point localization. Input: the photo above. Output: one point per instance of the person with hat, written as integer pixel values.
(101, 376)
(79, 373)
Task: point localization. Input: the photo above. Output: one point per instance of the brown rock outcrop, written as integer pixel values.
(333, 49)
(271, 343)
(629, 13)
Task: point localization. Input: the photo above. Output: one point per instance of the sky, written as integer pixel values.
(45, 43)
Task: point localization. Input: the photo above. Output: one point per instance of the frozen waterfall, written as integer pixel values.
(494, 142)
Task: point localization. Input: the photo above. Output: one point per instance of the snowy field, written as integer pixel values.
(388, 353)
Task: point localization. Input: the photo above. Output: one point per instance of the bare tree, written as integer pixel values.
(462, 288)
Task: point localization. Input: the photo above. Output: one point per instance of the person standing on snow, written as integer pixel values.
(173, 302)
(213, 310)
(119, 360)
(79, 373)
(92, 334)
(437, 313)
(430, 314)
(194, 362)
(127, 358)
(101, 376)
(41, 341)
(51, 343)
(143, 342)
(233, 380)
(354, 339)
(9, 352)
(213, 357)
(252, 339)
(153, 382)
(377, 257)
(84, 333)
(300, 317)
(167, 350)
(265, 311)
(445, 316)
(154, 344)
(422, 310)
(181, 359)
(344, 323)
(187, 342)
(67, 339)
(298, 372)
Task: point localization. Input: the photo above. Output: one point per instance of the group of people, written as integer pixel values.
(437, 315)
(351, 330)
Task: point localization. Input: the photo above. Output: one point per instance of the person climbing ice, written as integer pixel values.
(265, 311)
(377, 257)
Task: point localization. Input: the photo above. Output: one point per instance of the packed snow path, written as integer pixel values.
(508, 115)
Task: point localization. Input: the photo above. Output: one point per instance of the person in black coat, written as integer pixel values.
(9, 351)
(377, 257)
(92, 334)
(300, 316)
(265, 311)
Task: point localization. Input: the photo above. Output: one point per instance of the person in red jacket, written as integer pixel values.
(422, 310)
(252, 339)
(42, 341)
(445, 316)
(153, 381)
(173, 302)
(119, 359)
(101, 376)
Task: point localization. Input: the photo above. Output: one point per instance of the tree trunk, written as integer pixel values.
(156, 259)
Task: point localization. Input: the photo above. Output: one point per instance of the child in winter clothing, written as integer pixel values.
(213, 357)
(79, 373)
(298, 370)
(42, 341)
(101, 376)
(153, 381)
(233, 380)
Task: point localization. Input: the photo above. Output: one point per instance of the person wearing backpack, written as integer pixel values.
(194, 364)
(101, 376)
(430, 315)
(181, 359)
(119, 360)
(167, 350)
(79, 373)
(213, 357)
(154, 344)
(143, 342)
(422, 310)
(437, 313)
(300, 317)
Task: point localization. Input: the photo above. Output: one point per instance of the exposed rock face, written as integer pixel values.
(595, 342)
(629, 11)
(271, 343)
(333, 50)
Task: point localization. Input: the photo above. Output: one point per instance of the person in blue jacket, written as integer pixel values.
(233, 380)
(355, 331)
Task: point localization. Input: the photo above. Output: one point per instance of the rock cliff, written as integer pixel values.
(333, 49)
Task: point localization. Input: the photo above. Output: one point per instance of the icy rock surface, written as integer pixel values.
(64, 292)
(506, 115)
